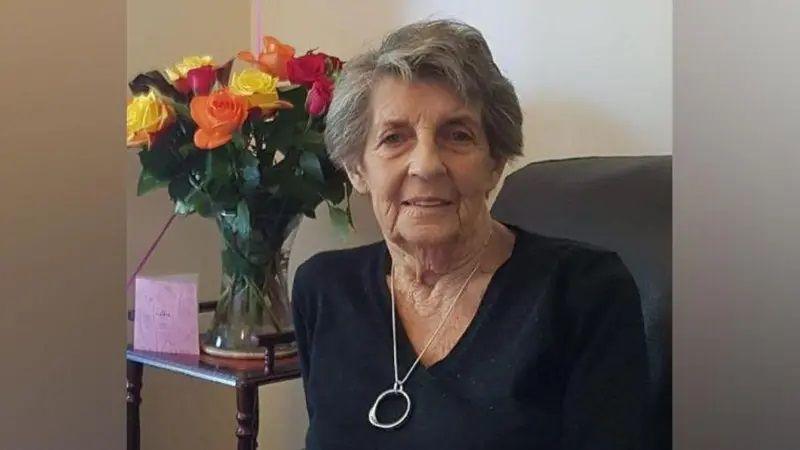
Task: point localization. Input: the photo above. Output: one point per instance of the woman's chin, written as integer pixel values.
(416, 232)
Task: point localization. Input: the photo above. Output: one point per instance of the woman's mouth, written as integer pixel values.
(426, 202)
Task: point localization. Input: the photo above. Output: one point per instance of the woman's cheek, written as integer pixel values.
(385, 210)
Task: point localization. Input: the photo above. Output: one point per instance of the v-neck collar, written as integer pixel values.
(406, 355)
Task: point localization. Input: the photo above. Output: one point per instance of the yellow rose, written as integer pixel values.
(258, 87)
(190, 62)
(146, 114)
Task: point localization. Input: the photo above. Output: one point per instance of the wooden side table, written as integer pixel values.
(243, 375)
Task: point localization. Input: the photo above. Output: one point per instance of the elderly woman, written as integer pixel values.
(456, 331)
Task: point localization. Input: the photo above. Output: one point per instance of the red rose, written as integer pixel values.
(202, 79)
(306, 69)
(182, 85)
(319, 97)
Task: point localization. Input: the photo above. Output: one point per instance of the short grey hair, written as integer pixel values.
(445, 51)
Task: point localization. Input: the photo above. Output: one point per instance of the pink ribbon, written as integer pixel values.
(149, 253)
(256, 26)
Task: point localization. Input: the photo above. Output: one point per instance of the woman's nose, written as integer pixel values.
(426, 161)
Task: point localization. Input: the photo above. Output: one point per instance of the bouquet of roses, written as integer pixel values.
(246, 149)
(220, 140)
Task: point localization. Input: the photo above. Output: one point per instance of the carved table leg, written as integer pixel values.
(246, 416)
(133, 398)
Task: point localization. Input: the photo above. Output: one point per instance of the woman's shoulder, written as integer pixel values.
(559, 250)
(589, 276)
(575, 266)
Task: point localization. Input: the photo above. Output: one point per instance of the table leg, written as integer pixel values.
(246, 416)
(256, 422)
(133, 398)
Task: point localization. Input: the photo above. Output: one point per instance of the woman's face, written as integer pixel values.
(426, 163)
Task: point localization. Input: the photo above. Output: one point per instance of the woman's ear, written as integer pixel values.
(357, 179)
(499, 165)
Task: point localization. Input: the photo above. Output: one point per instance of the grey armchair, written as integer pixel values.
(623, 203)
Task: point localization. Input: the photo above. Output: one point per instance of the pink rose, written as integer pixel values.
(306, 69)
(202, 79)
(319, 97)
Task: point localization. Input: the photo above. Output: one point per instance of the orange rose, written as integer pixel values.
(217, 116)
(273, 58)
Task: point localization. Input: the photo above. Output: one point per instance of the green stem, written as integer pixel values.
(267, 303)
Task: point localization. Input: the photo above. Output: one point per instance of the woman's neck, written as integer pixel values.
(427, 265)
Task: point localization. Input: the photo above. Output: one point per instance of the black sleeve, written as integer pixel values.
(303, 317)
(605, 395)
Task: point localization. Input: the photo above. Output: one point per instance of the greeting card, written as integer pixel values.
(166, 314)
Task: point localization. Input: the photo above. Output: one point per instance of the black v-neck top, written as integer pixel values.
(553, 359)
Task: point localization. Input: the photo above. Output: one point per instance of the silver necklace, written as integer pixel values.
(397, 388)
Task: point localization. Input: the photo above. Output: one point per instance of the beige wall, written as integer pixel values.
(593, 78)
(62, 226)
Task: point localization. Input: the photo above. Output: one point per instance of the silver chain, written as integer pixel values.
(398, 383)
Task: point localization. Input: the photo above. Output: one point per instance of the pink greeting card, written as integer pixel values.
(166, 314)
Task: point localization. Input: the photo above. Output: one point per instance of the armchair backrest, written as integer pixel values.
(623, 203)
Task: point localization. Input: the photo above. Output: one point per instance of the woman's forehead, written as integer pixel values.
(395, 101)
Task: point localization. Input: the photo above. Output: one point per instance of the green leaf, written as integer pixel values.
(233, 263)
(241, 224)
(219, 175)
(300, 189)
(297, 97)
(186, 126)
(159, 162)
(226, 198)
(223, 72)
(182, 208)
(148, 182)
(202, 205)
(218, 165)
(314, 141)
(154, 79)
(249, 173)
(251, 178)
(246, 158)
(339, 219)
(280, 138)
(186, 149)
(238, 140)
(335, 188)
(180, 187)
(348, 189)
(310, 165)
(181, 109)
(263, 129)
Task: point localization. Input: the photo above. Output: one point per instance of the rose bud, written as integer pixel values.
(202, 79)
(319, 97)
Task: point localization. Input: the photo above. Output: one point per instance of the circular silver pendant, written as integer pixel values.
(373, 412)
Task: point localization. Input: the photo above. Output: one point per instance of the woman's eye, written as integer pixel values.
(392, 139)
(460, 136)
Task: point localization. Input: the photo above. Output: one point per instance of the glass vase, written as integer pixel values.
(254, 293)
